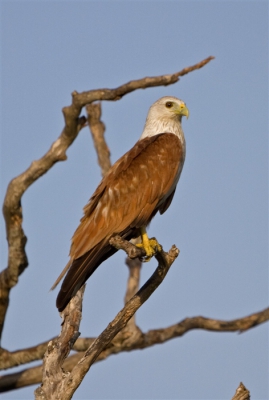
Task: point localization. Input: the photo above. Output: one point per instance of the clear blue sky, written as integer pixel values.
(219, 216)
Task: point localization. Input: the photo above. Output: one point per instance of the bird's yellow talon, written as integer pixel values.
(155, 245)
(151, 246)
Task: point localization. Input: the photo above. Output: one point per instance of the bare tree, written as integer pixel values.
(61, 374)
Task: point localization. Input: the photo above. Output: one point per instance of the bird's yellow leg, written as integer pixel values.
(151, 246)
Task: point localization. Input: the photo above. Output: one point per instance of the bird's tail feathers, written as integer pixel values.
(80, 270)
(62, 274)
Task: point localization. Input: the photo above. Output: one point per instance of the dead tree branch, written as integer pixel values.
(81, 99)
(241, 393)
(134, 267)
(134, 277)
(97, 128)
(120, 344)
(12, 210)
(58, 350)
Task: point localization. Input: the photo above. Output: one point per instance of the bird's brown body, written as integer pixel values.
(141, 183)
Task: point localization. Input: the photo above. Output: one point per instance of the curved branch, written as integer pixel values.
(81, 99)
(12, 210)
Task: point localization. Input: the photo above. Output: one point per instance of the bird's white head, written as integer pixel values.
(165, 116)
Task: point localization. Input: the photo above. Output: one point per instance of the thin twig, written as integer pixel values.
(97, 128)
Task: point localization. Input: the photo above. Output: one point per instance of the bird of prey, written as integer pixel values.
(141, 183)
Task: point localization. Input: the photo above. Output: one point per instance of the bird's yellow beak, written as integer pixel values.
(183, 110)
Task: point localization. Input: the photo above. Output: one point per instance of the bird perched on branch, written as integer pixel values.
(141, 183)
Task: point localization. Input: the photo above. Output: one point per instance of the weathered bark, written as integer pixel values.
(241, 393)
(97, 128)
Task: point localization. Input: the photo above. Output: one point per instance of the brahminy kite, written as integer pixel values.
(141, 183)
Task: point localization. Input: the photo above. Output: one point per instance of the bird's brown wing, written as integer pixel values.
(136, 183)
(135, 188)
(165, 205)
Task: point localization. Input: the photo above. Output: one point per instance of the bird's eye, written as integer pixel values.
(169, 104)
